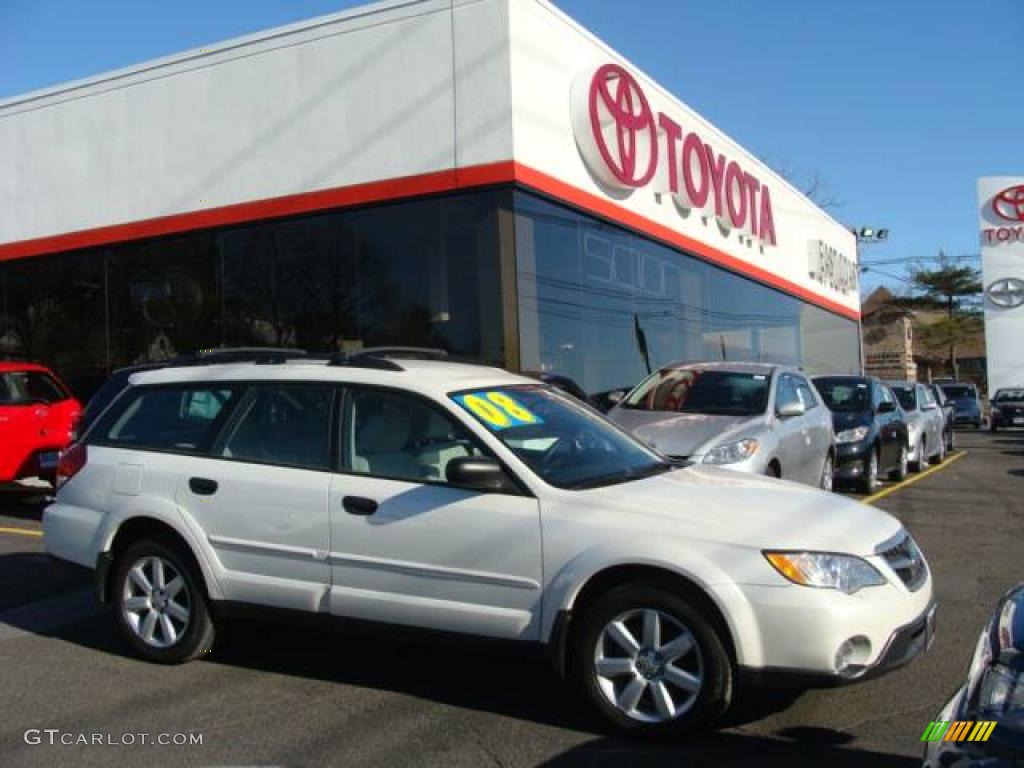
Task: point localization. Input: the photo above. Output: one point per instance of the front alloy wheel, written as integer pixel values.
(650, 662)
(869, 481)
(648, 665)
(900, 473)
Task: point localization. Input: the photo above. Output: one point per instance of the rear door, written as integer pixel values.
(408, 547)
(791, 453)
(817, 431)
(260, 497)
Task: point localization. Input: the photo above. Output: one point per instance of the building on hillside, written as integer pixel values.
(897, 344)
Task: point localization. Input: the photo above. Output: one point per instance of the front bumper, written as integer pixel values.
(851, 460)
(803, 628)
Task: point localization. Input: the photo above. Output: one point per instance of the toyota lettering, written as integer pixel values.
(627, 145)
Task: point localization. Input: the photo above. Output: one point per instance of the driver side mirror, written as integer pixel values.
(886, 406)
(478, 473)
(791, 409)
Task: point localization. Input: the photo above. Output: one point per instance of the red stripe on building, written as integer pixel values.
(404, 187)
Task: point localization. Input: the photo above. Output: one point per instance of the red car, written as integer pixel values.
(37, 416)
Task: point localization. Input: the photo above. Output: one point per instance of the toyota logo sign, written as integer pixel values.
(1007, 292)
(1009, 204)
(627, 144)
(621, 128)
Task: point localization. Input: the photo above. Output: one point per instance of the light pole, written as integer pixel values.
(866, 236)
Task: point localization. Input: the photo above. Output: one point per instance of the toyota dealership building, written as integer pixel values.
(483, 176)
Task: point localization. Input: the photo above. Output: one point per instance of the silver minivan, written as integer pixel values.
(751, 417)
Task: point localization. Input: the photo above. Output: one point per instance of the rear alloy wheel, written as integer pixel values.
(869, 480)
(650, 663)
(160, 603)
(827, 472)
(900, 473)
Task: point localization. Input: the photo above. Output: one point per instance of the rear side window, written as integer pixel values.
(174, 418)
(29, 387)
(286, 423)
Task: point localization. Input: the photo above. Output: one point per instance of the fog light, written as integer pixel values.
(852, 655)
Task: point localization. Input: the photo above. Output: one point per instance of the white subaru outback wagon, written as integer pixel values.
(466, 499)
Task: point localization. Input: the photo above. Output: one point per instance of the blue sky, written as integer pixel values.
(898, 105)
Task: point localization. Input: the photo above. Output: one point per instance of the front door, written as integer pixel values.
(409, 548)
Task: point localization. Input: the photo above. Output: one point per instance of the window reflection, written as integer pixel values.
(424, 272)
(592, 296)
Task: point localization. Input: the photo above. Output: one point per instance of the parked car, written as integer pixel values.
(871, 435)
(982, 725)
(1007, 408)
(966, 404)
(751, 417)
(948, 416)
(415, 493)
(37, 417)
(925, 422)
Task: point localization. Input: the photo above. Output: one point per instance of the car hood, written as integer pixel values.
(682, 434)
(844, 420)
(734, 508)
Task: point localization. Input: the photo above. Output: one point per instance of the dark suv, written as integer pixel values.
(871, 435)
(1007, 408)
(966, 406)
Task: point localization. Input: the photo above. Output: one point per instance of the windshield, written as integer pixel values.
(1004, 395)
(563, 441)
(697, 390)
(957, 390)
(906, 397)
(845, 395)
(27, 387)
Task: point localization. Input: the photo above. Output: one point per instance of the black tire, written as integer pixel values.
(951, 441)
(994, 429)
(717, 675)
(917, 466)
(773, 470)
(868, 482)
(828, 472)
(197, 635)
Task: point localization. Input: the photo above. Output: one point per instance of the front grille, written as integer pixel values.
(903, 556)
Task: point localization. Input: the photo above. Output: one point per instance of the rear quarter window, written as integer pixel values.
(166, 418)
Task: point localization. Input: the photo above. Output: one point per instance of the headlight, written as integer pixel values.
(730, 453)
(854, 435)
(1001, 691)
(822, 569)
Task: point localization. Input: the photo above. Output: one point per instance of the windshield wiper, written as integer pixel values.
(622, 477)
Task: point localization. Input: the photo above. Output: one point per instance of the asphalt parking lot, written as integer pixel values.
(280, 696)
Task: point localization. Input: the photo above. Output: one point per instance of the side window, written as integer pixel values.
(785, 392)
(175, 418)
(394, 435)
(884, 395)
(924, 397)
(805, 393)
(287, 423)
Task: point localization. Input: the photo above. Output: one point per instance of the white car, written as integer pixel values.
(464, 498)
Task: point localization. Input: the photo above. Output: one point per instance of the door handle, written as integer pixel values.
(359, 505)
(202, 486)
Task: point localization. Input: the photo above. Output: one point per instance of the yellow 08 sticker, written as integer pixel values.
(497, 410)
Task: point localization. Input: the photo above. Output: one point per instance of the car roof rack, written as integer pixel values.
(383, 358)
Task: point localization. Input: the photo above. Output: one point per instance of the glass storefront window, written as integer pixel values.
(594, 298)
